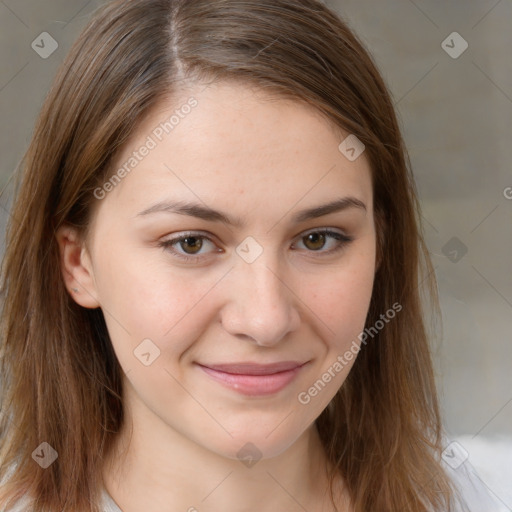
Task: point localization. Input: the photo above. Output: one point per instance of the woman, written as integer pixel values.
(143, 371)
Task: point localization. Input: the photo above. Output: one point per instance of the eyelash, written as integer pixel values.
(168, 244)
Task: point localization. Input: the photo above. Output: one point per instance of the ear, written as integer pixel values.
(76, 267)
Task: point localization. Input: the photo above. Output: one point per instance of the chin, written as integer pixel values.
(257, 442)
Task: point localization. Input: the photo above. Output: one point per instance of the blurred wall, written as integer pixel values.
(455, 106)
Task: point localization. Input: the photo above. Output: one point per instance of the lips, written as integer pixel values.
(254, 368)
(254, 379)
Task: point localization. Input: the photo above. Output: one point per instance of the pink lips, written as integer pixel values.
(254, 379)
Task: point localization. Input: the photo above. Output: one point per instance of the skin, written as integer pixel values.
(261, 160)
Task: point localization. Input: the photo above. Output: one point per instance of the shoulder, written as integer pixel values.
(25, 504)
(472, 494)
(22, 505)
(107, 503)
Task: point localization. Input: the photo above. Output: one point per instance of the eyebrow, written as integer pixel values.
(203, 212)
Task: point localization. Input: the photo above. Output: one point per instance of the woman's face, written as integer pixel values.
(239, 333)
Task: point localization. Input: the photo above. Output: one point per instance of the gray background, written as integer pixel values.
(456, 115)
(457, 120)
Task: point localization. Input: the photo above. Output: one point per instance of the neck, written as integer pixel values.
(152, 468)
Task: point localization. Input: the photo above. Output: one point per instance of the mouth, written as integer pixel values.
(254, 379)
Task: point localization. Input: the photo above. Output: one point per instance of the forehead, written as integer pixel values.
(239, 148)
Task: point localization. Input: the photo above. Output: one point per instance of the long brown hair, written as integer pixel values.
(60, 379)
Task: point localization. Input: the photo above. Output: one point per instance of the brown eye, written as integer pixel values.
(195, 242)
(314, 241)
(317, 241)
(190, 246)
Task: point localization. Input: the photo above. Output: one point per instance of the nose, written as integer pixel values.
(262, 304)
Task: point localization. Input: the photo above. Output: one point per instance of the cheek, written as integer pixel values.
(342, 298)
(147, 300)
(342, 304)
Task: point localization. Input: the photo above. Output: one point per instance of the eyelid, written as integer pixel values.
(168, 243)
(342, 239)
(322, 230)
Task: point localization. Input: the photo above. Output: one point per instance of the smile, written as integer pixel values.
(254, 379)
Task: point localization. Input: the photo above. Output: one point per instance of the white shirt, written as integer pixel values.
(474, 494)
